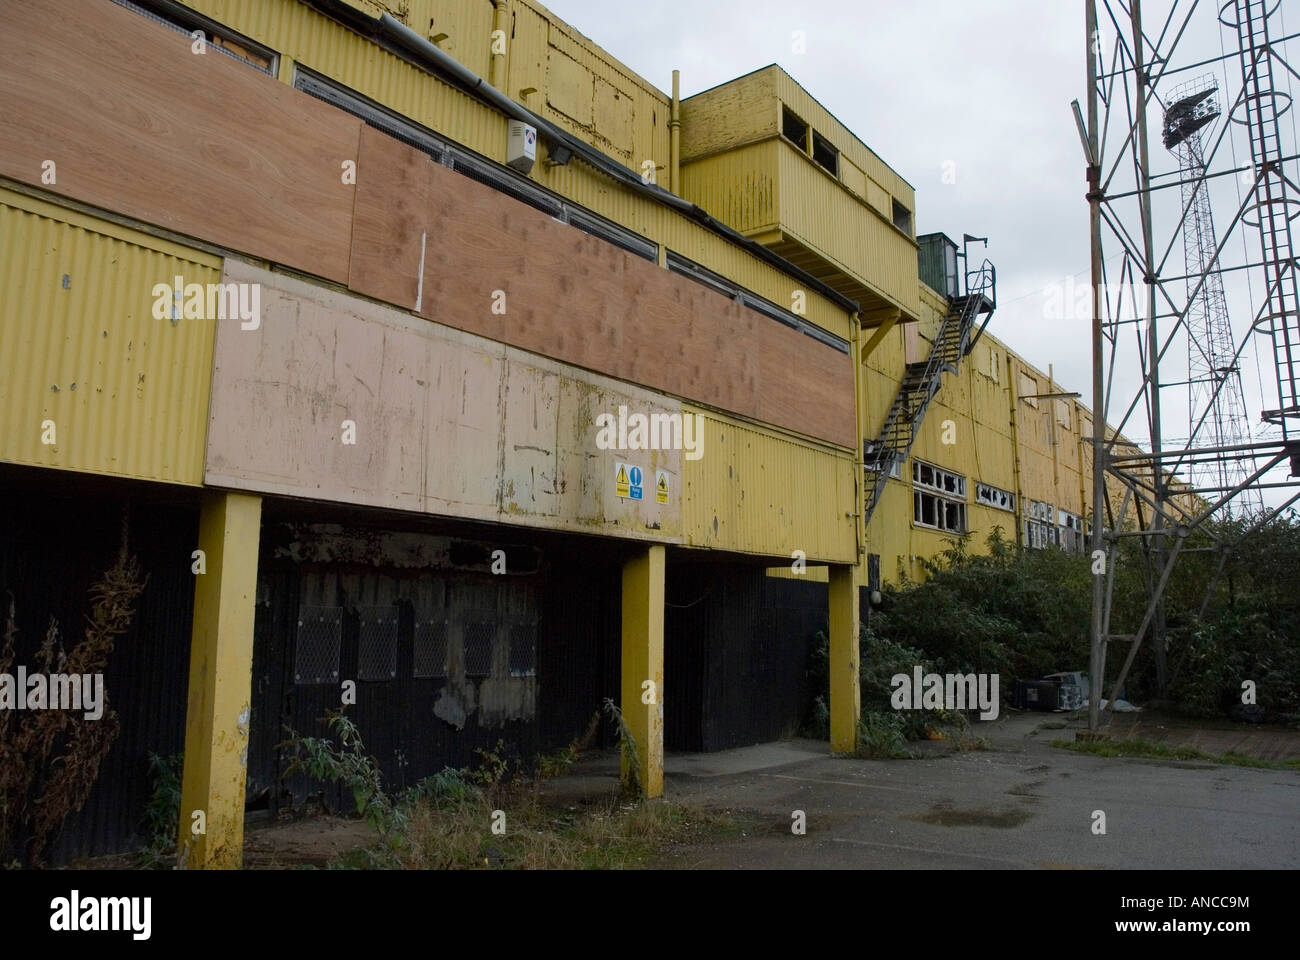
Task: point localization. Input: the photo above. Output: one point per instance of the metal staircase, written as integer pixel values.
(956, 337)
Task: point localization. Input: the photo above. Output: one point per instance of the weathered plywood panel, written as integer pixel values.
(200, 144)
(390, 219)
(462, 451)
(571, 296)
(811, 388)
(445, 422)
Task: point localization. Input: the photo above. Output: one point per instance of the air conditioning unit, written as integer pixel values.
(521, 146)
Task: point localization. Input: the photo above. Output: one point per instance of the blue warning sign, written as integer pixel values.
(634, 478)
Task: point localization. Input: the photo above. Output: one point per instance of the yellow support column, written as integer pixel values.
(846, 695)
(643, 660)
(221, 676)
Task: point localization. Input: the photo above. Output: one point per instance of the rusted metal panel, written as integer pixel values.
(442, 421)
(86, 364)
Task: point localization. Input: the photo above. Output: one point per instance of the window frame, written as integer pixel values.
(990, 500)
(182, 20)
(941, 497)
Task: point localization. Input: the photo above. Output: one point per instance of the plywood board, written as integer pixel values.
(137, 123)
(446, 422)
(390, 217)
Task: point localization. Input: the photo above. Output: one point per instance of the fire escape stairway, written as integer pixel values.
(954, 340)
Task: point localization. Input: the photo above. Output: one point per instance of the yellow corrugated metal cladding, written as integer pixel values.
(117, 391)
(753, 492)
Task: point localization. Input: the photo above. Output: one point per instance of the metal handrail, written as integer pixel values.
(986, 282)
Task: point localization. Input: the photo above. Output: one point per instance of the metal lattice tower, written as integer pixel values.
(1216, 405)
(1277, 200)
(1174, 497)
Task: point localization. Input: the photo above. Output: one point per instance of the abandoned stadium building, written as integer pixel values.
(388, 481)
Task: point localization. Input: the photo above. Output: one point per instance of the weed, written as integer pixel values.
(50, 759)
(627, 751)
(880, 736)
(1146, 750)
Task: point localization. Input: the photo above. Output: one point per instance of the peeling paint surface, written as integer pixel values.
(447, 422)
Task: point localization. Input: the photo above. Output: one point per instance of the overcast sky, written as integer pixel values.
(983, 85)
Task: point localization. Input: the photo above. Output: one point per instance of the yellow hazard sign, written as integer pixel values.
(621, 485)
(661, 486)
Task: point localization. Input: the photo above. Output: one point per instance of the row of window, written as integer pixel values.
(939, 502)
(827, 156)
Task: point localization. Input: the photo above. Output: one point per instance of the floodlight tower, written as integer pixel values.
(1216, 405)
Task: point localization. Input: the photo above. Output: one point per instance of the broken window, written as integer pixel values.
(825, 154)
(995, 497)
(1070, 532)
(1040, 526)
(945, 507)
(902, 218)
(792, 128)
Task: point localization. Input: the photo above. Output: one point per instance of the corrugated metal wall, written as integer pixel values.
(734, 176)
(815, 209)
(739, 187)
(57, 537)
(412, 721)
(128, 394)
(736, 655)
(751, 492)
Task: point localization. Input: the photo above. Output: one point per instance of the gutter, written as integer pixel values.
(399, 39)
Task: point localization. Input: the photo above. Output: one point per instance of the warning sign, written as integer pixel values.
(620, 480)
(634, 479)
(661, 486)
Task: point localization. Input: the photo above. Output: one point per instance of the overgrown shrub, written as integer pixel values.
(50, 759)
(1025, 613)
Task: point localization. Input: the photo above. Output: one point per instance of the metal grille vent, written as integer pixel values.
(316, 652)
(478, 641)
(523, 650)
(431, 648)
(377, 647)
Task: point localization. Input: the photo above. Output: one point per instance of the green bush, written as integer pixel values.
(1025, 613)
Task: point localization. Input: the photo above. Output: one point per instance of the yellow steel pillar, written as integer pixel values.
(643, 665)
(846, 698)
(221, 675)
